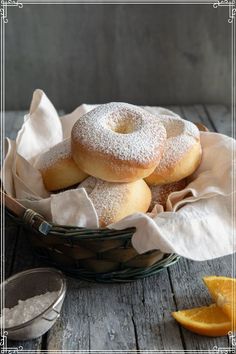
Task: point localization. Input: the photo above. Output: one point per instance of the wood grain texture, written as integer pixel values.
(197, 113)
(176, 109)
(220, 117)
(152, 302)
(119, 317)
(134, 316)
(189, 290)
(186, 276)
(13, 122)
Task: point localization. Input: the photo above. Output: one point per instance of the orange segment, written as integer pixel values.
(207, 320)
(223, 292)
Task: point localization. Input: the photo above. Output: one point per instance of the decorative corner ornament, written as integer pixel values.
(4, 6)
(230, 4)
(231, 349)
(8, 350)
(232, 340)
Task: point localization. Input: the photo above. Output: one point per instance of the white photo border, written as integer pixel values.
(4, 4)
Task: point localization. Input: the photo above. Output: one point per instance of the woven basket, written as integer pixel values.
(101, 255)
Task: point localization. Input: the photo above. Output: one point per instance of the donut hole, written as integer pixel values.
(174, 127)
(123, 128)
(122, 124)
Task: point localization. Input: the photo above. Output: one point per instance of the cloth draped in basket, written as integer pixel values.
(199, 223)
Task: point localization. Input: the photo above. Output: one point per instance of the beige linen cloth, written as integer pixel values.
(198, 224)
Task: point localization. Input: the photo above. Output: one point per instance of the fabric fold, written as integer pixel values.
(198, 223)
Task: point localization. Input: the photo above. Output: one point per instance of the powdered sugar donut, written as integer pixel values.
(58, 168)
(118, 142)
(161, 192)
(182, 153)
(114, 201)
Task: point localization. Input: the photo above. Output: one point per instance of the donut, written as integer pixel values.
(161, 192)
(182, 153)
(58, 169)
(118, 142)
(114, 201)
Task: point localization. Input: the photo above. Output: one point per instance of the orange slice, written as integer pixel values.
(207, 320)
(223, 292)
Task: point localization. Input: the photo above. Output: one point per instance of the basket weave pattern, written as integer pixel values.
(92, 254)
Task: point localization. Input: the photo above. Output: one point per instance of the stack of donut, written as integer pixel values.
(127, 159)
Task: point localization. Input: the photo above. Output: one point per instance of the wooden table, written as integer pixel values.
(132, 316)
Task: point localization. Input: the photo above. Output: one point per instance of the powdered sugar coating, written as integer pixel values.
(181, 136)
(161, 192)
(107, 197)
(26, 310)
(123, 131)
(58, 152)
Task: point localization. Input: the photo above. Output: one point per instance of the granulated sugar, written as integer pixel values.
(28, 309)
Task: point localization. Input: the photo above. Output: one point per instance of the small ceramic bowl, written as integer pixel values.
(27, 284)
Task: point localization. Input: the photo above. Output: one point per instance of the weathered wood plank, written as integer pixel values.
(93, 317)
(152, 303)
(117, 317)
(176, 109)
(186, 278)
(186, 275)
(197, 113)
(221, 118)
(34, 345)
(13, 122)
(10, 117)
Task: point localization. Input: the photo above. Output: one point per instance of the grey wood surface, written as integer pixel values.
(132, 316)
